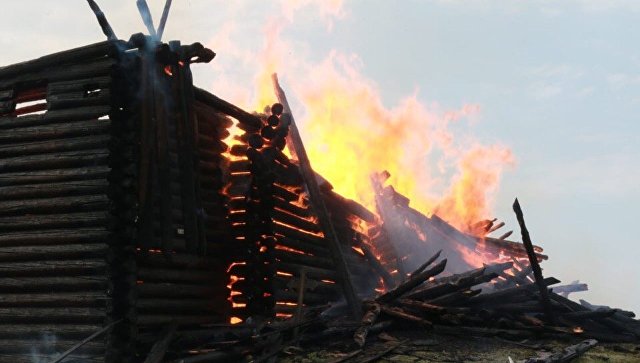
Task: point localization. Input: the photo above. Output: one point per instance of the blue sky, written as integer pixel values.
(557, 82)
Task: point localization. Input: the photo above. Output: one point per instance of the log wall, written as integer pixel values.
(59, 211)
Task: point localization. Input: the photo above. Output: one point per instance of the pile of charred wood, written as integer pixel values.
(491, 301)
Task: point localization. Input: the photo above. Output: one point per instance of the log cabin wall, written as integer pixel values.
(59, 207)
(110, 204)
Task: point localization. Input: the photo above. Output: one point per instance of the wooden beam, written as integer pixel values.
(317, 203)
(102, 20)
(163, 19)
(533, 261)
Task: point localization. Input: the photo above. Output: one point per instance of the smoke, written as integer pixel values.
(45, 349)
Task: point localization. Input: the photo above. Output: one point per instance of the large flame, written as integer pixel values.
(350, 133)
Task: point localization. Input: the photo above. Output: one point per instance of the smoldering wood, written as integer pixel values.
(294, 220)
(412, 283)
(431, 260)
(368, 319)
(403, 315)
(377, 266)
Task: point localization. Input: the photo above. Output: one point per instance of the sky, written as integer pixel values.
(557, 84)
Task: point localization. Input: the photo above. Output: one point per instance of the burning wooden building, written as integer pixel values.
(139, 212)
(122, 204)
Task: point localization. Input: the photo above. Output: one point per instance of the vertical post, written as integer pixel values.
(533, 261)
(296, 147)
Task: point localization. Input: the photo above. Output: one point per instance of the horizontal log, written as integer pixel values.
(6, 95)
(71, 220)
(30, 253)
(55, 236)
(32, 350)
(209, 157)
(310, 298)
(176, 290)
(179, 304)
(339, 203)
(295, 221)
(171, 275)
(216, 130)
(57, 116)
(209, 115)
(313, 249)
(52, 315)
(56, 145)
(299, 259)
(93, 68)
(295, 209)
(312, 272)
(26, 358)
(297, 234)
(77, 85)
(48, 205)
(180, 260)
(286, 193)
(63, 189)
(314, 285)
(47, 284)
(55, 299)
(67, 159)
(82, 98)
(91, 51)
(178, 319)
(54, 176)
(221, 105)
(211, 143)
(22, 331)
(53, 267)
